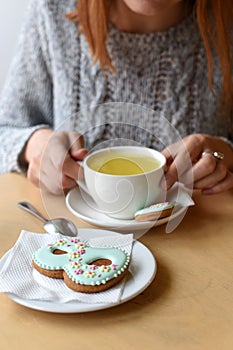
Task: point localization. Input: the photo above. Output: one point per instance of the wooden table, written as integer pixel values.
(188, 306)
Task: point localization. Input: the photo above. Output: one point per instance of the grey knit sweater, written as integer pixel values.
(158, 93)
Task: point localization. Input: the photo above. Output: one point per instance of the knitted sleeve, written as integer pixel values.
(26, 99)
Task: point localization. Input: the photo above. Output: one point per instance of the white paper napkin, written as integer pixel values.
(182, 197)
(178, 193)
(18, 276)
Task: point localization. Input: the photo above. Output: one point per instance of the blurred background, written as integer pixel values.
(11, 16)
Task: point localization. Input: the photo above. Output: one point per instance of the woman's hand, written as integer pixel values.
(52, 159)
(187, 164)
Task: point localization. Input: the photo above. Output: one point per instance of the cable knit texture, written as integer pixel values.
(158, 93)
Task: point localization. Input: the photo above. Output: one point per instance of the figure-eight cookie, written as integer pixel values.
(83, 268)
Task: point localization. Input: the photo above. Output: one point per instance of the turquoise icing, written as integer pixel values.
(156, 208)
(77, 261)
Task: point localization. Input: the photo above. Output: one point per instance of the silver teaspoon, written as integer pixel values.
(58, 225)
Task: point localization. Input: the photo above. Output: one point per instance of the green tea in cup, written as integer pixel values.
(124, 164)
(122, 179)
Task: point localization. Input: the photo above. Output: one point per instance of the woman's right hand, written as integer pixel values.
(52, 159)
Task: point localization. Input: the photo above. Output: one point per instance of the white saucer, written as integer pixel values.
(84, 208)
(142, 271)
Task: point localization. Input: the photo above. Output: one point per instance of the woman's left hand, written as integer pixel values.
(191, 162)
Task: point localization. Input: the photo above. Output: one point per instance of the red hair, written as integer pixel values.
(214, 18)
(94, 12)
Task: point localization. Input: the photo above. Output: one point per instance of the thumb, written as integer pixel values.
(76, 142)
(79, 154)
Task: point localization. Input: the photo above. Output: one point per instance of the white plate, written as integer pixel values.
(84, 208)
(142, 271)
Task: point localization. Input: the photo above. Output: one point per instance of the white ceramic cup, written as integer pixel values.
(120, 196)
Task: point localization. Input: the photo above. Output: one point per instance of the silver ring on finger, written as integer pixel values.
(217, 155)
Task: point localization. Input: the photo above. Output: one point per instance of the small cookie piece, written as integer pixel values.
(83, 268)
(155, 211)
